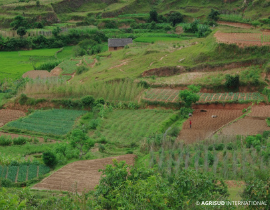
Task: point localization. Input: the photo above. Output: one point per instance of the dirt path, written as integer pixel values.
(124, 62)
(93, 64)
(238, 25)
(79, 176)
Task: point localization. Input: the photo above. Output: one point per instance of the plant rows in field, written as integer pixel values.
(68, 66)
(55, 121)
(23, 172)
(168, 95)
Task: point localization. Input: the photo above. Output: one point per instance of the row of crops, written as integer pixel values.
(23, 172)
(168, 95)
(54, 121)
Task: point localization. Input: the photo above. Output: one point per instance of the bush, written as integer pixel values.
(94, 123)
(81, 69)
(48, 65)
(174, 131)
(19, 141)
(88, 101)
(219, 147)
(6, 183)
(23, 99)
(230, 146)
(101, 148)
(232, 82)
(49, 159)
(5, 140)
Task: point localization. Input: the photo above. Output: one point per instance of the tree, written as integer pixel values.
(190, 95)
(175, 18)
(56, 31)
(213, 15)
(19, 21)
(49, 159)
(21, 31)
(153, 16)
(232, 82)
(81, 141)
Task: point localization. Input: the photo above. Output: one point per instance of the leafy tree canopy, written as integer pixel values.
(175, 18)
(190, 95)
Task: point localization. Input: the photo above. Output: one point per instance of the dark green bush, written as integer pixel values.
(88, 101)
(48, 65)
(232, 82)
(219, 147)
(19, 140)
(81, 69)
(49, 159)
(94, 123)
(6, 183)
(23, 99)
(230, 146)
(5, 140)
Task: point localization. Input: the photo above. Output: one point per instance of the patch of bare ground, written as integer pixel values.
(42, 74)
(243, 39)
(238, 25)
(56, 71)
(79, 176)
(7, 115)
(203, 124)
(252, 124)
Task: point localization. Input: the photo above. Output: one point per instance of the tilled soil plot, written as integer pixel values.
(260, 111)
(244, 39)
(245, 126)
(252, 124)
(7, 115)
(203, 124)
(79, 176)
(37, 74)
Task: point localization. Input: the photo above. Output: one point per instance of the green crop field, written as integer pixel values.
(54, 121)
(69, 66)
(25, 172)
(127, 126)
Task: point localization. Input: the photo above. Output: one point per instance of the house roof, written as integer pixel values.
(119, 42)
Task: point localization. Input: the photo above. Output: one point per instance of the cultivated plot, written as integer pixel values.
(203, 124)
(7, 115)
(170, 95)
(79, 176)
(54, 121)
(126, 126)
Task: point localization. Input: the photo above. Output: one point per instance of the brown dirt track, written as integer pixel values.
(203, 125)
(243, 39)
(80, 175)
(7, 115)
(238, 25)
(252, 124)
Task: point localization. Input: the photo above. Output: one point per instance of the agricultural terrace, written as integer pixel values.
(54, 121)
(79, 176)
(244, 39)
(170, 95)
(7, 115)
(23, 172)
(132, 126)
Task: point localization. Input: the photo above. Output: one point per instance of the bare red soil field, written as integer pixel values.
(252, 124)
(42, 74)
(7, 115)
(79, 176)
(203, 125)
(244, 39)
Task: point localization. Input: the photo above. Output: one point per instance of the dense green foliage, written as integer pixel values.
(49, 159)
(190, 95)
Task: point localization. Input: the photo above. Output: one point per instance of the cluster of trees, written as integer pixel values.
(21, 25)
(173, 18)
(38, 42)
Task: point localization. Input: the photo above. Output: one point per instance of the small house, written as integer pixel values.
(118, 44)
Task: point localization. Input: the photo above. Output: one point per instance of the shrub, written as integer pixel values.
(88, 101)
(94, 123)
(48, 65)
(232, 82)
(81, 69)
(6, 183)
(49, 159)
(19, 141)
(219, 147)
(230, 146)
(101, 148)
(5, 141)
(23, 99)
(174, 131)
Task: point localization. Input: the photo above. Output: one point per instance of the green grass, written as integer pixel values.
(69, 66)
(54, 121)
(235, 193)
(127, 126)
(268, 121)
(15, 64)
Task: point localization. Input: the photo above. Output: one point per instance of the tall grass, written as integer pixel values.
(126, 90)
(234, 18)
